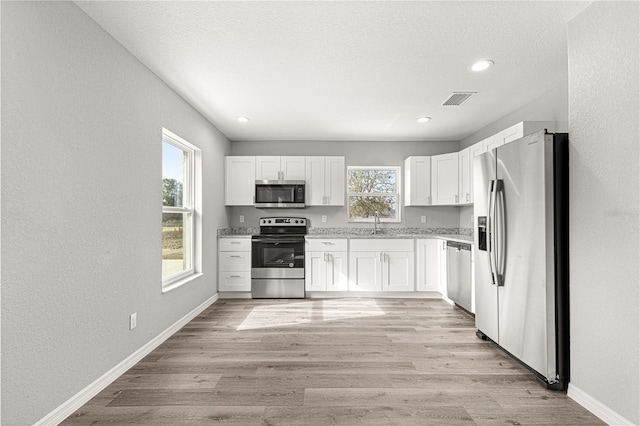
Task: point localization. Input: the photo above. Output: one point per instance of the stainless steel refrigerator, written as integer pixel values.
(521, 252)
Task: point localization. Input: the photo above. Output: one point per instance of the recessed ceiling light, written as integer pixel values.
(482, 65)
(243, 119)
(423, 119)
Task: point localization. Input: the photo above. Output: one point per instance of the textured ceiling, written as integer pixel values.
(346, 70)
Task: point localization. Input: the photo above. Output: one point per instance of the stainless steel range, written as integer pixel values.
(277, 258)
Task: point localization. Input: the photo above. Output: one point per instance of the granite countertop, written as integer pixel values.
(452, 237)
(453, 234)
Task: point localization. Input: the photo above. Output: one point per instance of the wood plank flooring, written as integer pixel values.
(329, 362)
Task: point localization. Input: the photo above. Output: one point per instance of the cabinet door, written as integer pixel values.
(334, 181)
(478, 148)
(495, 141)
(397, 271)
(292, 168)
(314, 181)
(315, 271)
(337, 278)
(428, 262)
(442, 268)
(417, 181)
(267, 168)
(239, 180)
(365, 271)
(444, 178)
(464, 176)
(512, 133)
(234, 281)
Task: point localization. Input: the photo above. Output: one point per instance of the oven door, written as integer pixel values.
(277, 257)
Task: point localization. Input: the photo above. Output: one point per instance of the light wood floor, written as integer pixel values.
(326, 362)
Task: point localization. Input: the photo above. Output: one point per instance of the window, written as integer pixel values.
(178, 208)
(373, 189)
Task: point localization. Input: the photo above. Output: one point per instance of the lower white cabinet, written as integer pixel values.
(381, 265)
(326, 265)
(428, 261)
(234, 264)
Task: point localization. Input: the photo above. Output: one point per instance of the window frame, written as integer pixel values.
(397, 194)
(190, 201)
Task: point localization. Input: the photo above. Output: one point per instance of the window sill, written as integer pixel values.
(167, 288)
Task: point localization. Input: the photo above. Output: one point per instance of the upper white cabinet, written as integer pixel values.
(417, 181)
(465, 176)
(280, 168)
(325, 181)
(444, 179)
(478, 148)
(239, 180)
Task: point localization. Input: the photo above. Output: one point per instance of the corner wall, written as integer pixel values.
(604, 198)
(81, 168)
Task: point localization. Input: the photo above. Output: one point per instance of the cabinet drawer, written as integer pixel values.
(381, 244)
(234, 244)
(326, 245)
(234, 281)
(235, 261)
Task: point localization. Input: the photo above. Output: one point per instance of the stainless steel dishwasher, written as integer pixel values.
(459, 273)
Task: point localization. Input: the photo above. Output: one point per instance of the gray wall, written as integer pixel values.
(81, 170)
(604, 198)
(552, 106)
(356, 154)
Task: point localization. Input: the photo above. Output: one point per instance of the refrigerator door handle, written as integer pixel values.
(490, 231)
(500, 238)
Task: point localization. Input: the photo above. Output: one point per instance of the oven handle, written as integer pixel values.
(278, 240)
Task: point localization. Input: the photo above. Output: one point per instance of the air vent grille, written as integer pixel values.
(458, 98)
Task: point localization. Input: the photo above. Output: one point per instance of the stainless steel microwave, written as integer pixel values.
(280, 193)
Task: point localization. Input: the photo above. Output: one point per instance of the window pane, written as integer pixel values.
(366, 181)
(174, 168)
(176, 243)
(361, 207)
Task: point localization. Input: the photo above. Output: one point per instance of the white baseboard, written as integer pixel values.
(373, 294)
(78, 400)
(605, 413)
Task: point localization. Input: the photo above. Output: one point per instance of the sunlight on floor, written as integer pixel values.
(298, 313)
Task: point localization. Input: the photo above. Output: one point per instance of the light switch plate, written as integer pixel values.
(423, 219)
(133, 320)
(241, 218)
(324, 218)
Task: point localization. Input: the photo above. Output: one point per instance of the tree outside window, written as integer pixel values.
(371, 190)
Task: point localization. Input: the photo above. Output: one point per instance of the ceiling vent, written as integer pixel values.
(458, 98)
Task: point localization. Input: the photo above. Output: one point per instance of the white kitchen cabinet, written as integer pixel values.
(442, 267)
(444, 179)
(512, 133)
(234, 264)
(417, 181)
(494, 141)
(326, 265)
(477, 149)
(325, 181)
(239, 180)
(464, 176)
(280, 168)
(381, 265)
(428, 265)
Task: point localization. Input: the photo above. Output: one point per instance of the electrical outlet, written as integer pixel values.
(423, 219)
(324, 218)
(241, 218)
(133, 320)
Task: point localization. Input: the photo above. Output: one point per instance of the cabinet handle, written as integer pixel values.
(236, 256)
(381, 261)
(325, 257)
(235, 276)
(330, 257)
(456, 198)
(467, 196)
(234, 242)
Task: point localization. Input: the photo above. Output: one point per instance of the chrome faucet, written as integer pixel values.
(376, 222)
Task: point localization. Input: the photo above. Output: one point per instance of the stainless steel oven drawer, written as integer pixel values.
(277, 289)
(277, 273)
